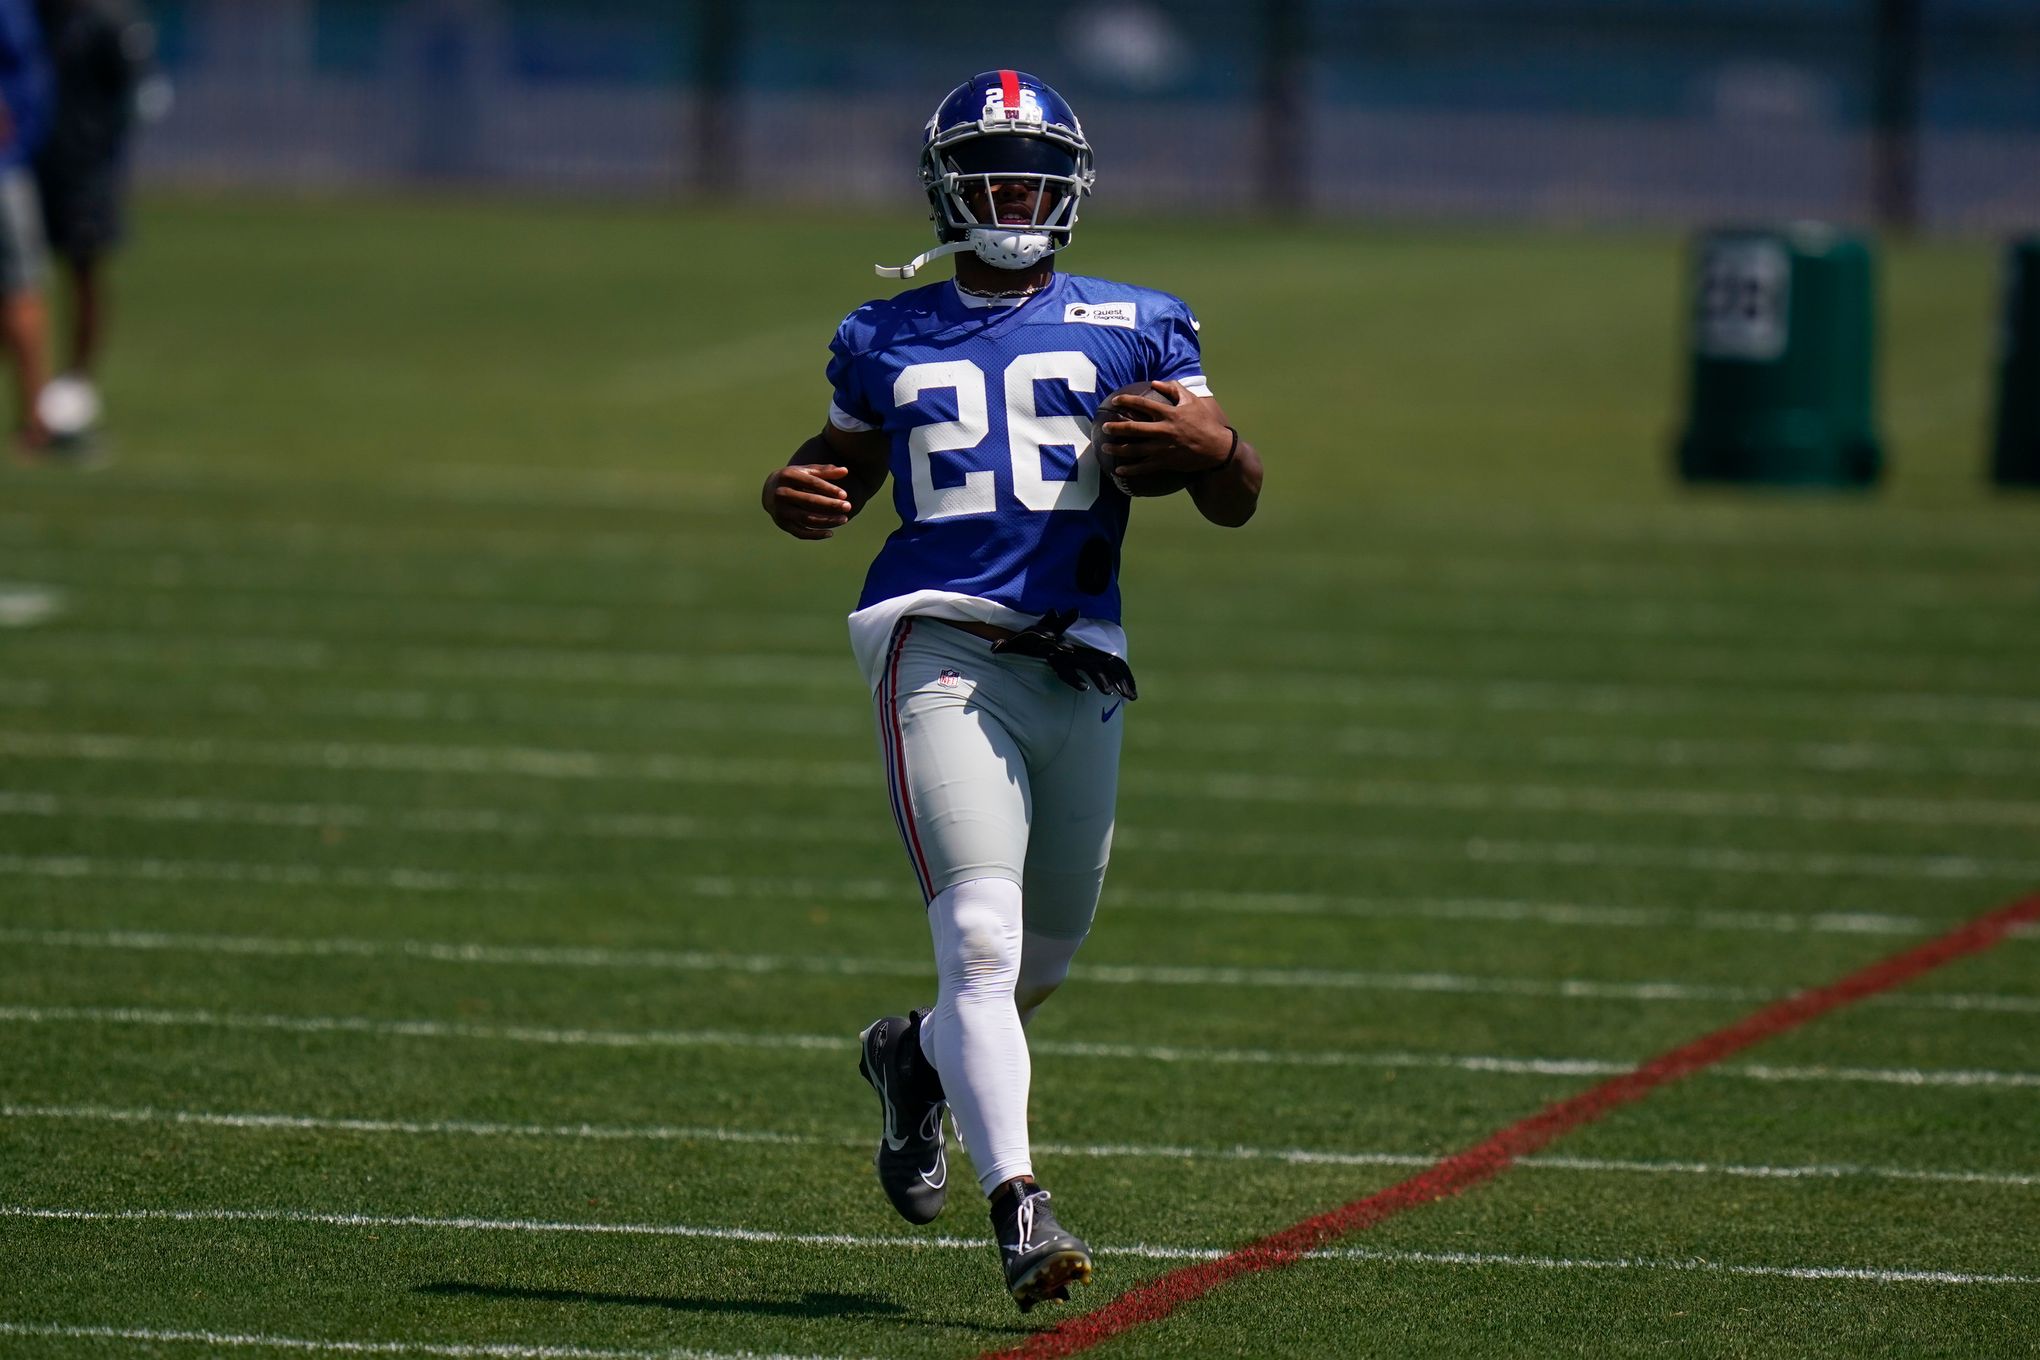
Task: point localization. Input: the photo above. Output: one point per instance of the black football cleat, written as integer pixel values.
(913, 1169)
(1041, 1257)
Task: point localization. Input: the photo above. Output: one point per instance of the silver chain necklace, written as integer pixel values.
(1008, 293)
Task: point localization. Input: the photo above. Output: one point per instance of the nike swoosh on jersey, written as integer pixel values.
(1106, 716)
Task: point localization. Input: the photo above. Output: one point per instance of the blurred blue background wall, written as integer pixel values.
(1571, 110)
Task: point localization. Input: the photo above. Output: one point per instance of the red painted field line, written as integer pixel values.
(1485, 1160)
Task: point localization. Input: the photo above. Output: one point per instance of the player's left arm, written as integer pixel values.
(1193, 436)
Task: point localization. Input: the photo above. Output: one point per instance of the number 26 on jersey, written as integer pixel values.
(1027, 432)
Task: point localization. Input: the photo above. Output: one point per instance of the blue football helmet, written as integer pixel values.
(1002, 128)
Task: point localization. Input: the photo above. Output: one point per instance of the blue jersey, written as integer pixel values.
(25, 86)
(989, 408)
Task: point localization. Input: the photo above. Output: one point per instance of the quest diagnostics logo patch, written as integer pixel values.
(1102, 314)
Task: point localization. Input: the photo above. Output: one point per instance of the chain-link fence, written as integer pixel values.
(1672, 110)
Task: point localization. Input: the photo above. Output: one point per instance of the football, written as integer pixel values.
(1150, 483)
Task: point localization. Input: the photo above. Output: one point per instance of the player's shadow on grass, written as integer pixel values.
(813, 1304)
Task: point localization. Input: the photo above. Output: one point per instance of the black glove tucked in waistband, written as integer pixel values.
(1073, 662)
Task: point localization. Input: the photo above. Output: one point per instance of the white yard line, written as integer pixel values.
(1724, 860)
(636, 489)
(1592, 916)
(1624, 527)
(1593, 855)
(672, 1133)
(1162, 731)
(827, 673)
(220, 584)
(832, 965)
(485, 484)
(649, 1133)
(495, 710)
(1576, 697)
(404, 879)
(1325, 688)
(569, 763)
(224, 582)
(1682, 804)
(1479, 851)
(510, 1225)
(896, 1242)
(263, 596)
(666, 827)
(836, 1044)
(531, 762)
(466, 821)
(299, 538)
(549, 763)
(452, 1350)
(681, 828)
(212, 577)
(1570, 800)
(1693, 1264)
(26, 606)
(270, 875)
(1682, 752)
(1611, 574)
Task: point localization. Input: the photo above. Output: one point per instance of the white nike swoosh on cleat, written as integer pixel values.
(937, 1176)
(892, 1142)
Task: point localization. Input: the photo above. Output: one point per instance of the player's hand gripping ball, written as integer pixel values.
(1154, 483)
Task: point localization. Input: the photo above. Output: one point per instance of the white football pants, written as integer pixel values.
(1003, 781)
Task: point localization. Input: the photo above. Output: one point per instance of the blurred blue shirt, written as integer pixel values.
(25, 86)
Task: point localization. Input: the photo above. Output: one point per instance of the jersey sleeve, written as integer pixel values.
(26, 95)
(1179, 357)
(849, 408)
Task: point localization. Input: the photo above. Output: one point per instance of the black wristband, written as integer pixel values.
(1230, 454)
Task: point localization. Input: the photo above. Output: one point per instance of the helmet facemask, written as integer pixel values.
(975, 179)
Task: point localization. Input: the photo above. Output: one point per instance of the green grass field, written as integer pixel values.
(445, 860)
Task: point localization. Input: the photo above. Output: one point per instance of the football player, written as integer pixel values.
(989, 627)
(24, 258)
(102, 52)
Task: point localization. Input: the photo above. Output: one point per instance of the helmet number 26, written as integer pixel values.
(1027, 433)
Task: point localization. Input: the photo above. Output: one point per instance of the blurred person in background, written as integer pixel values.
(24, 258)
(102, 55)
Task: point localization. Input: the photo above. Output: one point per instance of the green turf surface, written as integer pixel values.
(443, 859)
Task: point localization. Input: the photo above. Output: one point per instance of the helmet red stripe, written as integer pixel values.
(1009, 90)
